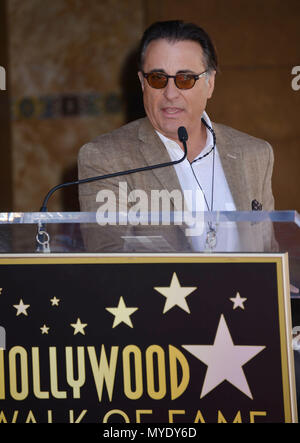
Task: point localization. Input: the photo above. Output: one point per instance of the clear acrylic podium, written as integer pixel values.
(80, 234)
(67, 232)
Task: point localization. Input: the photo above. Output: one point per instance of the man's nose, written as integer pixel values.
(171, 91)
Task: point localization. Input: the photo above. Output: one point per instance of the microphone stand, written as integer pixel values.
(43, 237)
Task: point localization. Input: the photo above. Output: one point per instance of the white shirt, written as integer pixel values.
(198, 175)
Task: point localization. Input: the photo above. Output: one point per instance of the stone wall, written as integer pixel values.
(66, 57)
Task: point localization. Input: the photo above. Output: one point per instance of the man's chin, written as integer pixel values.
(170, 130)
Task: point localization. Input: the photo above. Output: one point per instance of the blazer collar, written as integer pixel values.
(154, 153)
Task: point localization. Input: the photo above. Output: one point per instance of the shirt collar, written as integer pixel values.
(172, 145)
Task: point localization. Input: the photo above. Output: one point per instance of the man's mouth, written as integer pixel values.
(171, 111)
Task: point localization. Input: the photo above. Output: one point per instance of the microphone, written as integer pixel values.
(182, 136)
(42, 236)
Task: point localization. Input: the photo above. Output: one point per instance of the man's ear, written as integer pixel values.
(141, 77)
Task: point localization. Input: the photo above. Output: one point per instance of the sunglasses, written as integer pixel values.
(159, 80)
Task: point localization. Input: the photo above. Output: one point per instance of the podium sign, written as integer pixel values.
(182, 338)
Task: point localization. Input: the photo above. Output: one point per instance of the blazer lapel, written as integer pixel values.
(233, 166)
(154, 153)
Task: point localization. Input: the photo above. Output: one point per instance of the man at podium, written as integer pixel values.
(231, 170)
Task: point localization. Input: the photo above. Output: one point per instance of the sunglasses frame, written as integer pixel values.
(194, 76)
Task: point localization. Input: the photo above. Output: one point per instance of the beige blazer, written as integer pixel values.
(247, 162)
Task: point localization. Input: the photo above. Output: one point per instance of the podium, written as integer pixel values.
(147, 318)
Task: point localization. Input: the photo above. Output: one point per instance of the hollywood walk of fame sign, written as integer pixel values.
(146, 338)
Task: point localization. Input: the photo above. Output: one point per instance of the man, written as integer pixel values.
(178, 65)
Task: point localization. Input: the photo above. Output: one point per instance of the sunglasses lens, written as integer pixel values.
(184, 81)
(157, 80)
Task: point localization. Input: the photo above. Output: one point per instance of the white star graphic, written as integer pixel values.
(44, 329)
(175, 294)
(122, 313)
(78, 327)
(21, 308)
(54, 301)
(238, 301)
(224, 360)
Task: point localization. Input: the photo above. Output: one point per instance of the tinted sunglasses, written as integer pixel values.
(159, 80)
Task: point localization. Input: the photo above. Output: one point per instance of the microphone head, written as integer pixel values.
(182, 134)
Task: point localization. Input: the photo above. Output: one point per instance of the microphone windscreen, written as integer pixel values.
(182, 134)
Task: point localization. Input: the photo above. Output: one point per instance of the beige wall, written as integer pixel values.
(70, 63)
